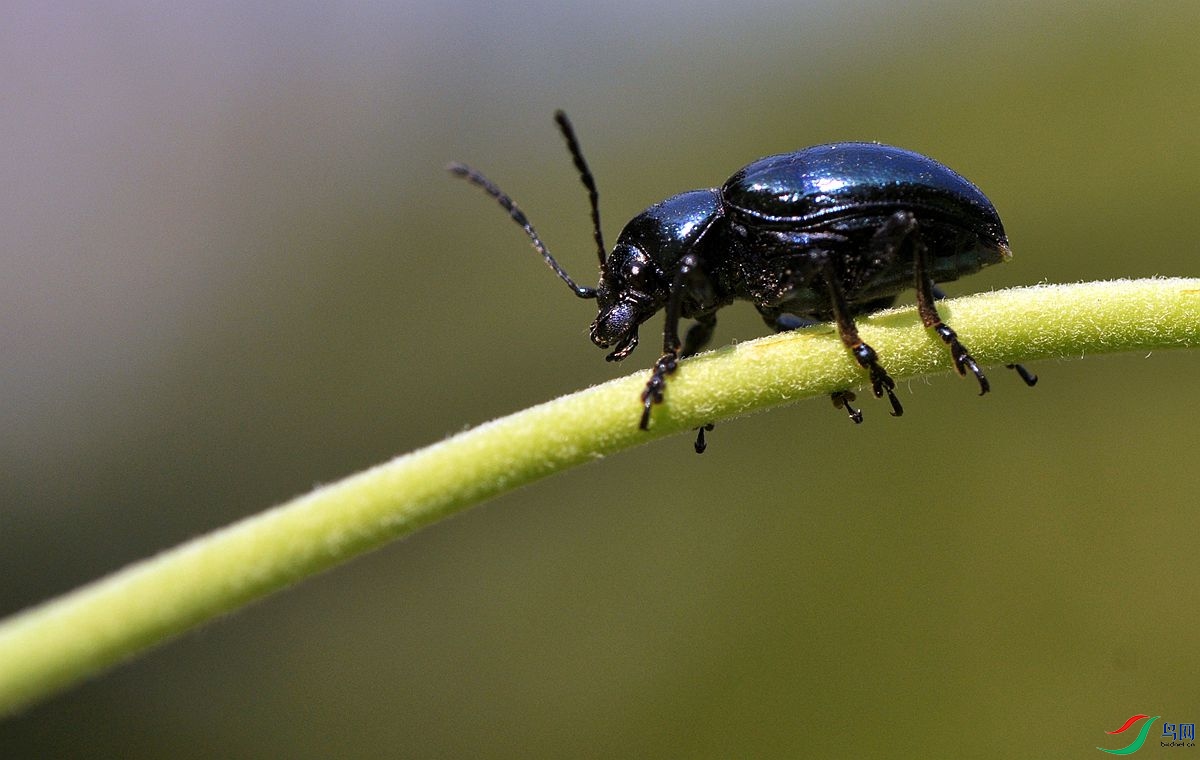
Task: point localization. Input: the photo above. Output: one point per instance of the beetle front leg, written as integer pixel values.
(656, 385)
(881, 381)
(687, 271)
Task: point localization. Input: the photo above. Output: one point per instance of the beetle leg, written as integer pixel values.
(841, 400)
(687, 270)
(787, 322)
(881, 381)
(929, 317)
(697, 338)
(1028, 377)
(655, 386)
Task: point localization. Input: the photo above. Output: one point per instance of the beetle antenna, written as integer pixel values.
(585, 174)
(518, 216)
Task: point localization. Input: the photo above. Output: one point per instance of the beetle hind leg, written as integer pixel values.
(927, 294)
(1027, 377)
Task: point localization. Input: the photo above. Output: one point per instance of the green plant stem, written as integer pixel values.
(61, 642)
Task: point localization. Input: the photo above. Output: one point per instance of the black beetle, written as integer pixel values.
(824, 233)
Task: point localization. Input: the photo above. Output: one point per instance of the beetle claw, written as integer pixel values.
(964, 360)
(882, 382)
(647, 402)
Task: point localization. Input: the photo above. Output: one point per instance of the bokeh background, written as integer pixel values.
(232, 267)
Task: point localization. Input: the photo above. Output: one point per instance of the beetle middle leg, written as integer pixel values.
(881, 381)
(696, 339)
(786, 322)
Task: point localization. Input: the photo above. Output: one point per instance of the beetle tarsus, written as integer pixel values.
(882, 382)
(963, 360)
(841, 400)
(1029, 378)
(647, 402)
(702, 444)
(655, 386)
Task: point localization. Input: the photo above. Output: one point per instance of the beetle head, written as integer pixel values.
(627, 296)
(634, 279)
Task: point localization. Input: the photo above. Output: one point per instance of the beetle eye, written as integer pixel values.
(635, 273)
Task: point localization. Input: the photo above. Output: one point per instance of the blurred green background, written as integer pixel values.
(233, 267)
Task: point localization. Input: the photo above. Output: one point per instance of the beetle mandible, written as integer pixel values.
(824, 233)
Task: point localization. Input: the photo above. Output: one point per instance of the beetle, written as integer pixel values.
(824, 233)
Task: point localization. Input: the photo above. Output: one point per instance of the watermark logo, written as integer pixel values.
(1137, 743)
(1173, 735)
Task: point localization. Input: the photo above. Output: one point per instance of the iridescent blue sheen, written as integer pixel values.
(824, 183)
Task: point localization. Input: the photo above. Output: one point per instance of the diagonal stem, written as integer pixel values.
(68, 639)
